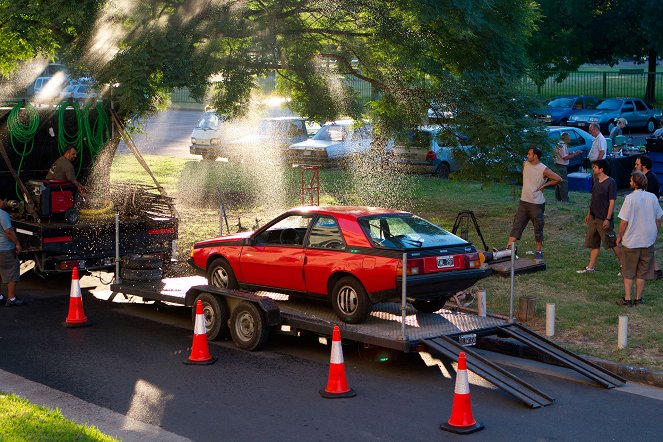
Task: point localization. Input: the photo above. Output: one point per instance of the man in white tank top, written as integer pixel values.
(536, 177)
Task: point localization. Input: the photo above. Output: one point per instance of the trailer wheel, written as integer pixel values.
(247, 327)
(350, 301)
(216, 314)
(220, 274)
(142, 262)
(430, 306)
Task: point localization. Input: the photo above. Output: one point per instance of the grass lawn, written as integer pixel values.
(587, 316)
(24, 421)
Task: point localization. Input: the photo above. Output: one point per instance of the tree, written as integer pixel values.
(465, 55)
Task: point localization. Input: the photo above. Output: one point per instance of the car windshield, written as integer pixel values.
(406, 232)
(279, 127)
(332, 132)
(209, 120)
(562, 102)
(610, 104)
(414, 138)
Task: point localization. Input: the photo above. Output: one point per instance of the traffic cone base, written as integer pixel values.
(337, 384)
(76, 316)
(461, 420)
(200, 354)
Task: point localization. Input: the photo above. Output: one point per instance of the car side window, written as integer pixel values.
(325, 234)
(288, 231)
(576, 140)
(589, 103)
(628, 106)
(639, 105)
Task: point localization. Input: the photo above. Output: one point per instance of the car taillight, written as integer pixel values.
(472, 260)
(53, 239)
(414, 267)
(430, 156)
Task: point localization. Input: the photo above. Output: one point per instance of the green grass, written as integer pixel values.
(586, 312)
(24, 421)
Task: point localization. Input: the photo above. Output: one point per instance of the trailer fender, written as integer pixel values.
(233, 297)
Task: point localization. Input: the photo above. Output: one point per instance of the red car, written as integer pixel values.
(351, 256)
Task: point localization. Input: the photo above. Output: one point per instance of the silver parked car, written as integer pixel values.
(637, 112)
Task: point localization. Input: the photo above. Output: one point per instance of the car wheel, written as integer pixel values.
(442, 171)
(651, 126)
(430, 306)
(220, 274)
(142, 262)
(350, 301)
(611, 126)
(247, 327)
(563, 121)
(212, 156)
(216, 314)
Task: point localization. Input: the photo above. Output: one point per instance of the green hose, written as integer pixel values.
(22, 132)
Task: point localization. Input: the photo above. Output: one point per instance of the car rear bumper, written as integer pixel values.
(433, 285)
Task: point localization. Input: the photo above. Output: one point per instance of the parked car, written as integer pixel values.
(268, 141)
(425, 150)
(559, 109)
(79, 92)
(208, 134)
(349, 256)
(336, 140)
(580, 140)
(638, 113)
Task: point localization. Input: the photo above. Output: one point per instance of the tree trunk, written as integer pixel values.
(650, 91)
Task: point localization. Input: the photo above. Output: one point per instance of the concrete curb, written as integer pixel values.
(514, 348)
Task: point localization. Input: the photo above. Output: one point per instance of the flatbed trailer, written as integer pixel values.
(249, 317)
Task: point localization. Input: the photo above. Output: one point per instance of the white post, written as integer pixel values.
(550, 320)
(622, 333)
(481, 303)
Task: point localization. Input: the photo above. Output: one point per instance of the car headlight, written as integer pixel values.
(193, 140)
(593, 119)
(214, 141)
(548, 116)
(573, 118)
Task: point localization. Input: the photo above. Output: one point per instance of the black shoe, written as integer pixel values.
(623, 301)
(640, 301)
(13, 302)
(659, 274)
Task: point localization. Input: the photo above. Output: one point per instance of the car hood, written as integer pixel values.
(594, 113)
(227, 238)
(314, 144)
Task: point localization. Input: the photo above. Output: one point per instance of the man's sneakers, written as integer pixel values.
(586, 270)
(659, 274)
(625, 302)
(15, 302)
(538, 254)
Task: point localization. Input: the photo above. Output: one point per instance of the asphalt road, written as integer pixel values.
(130, 362)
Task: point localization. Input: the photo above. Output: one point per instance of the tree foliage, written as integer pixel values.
(464, 55)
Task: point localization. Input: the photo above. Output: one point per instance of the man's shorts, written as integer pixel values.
(596, 234)
(526, 212)
(638, 263)
(10, 266)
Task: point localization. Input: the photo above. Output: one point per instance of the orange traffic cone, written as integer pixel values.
(200, 350)
(337, 385)
(76, 316)
(461, 420)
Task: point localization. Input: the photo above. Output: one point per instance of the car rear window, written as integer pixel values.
(406, 232)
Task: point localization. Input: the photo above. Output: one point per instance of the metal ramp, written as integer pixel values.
(594, 372)
(494, 374)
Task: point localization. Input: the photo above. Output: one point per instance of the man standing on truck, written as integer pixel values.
(63, 168)
(10, 247)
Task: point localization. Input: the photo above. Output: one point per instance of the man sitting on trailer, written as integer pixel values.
(63, 168)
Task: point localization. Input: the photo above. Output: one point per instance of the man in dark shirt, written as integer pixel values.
(63, 169)
(599, 218)
(643, 164)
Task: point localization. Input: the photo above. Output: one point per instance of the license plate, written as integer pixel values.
(444, 262)
(467, 340)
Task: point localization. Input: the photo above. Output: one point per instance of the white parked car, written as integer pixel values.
(208, 134)
(336, 140)
(79, 92)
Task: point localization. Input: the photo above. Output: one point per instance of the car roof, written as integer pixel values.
(284, 119)
(347, 211)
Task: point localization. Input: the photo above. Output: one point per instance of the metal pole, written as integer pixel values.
(550, 320)
(118, 280)
(403, 293)
(622, 332)
(513, 263)
(481, 303)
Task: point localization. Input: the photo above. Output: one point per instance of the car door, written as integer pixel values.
(641, 114)
(275, 256)
(325, 251)
(628, 111)
(576, 143)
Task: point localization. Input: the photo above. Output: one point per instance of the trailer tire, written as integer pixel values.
(141, 275)
(142, 262)
(248, 328)
(429, 306)
(220, 274)
(216, 314)
(350, 301)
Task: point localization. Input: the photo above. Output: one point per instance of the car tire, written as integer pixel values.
(220, 274)
(563, 121)
(651, 126)
(141, 275)
(142, 262)
(216, 314)
(211, 156)
(611, 126)
(442, 171)
(248, 328)
(429, 306)
(350, 301)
